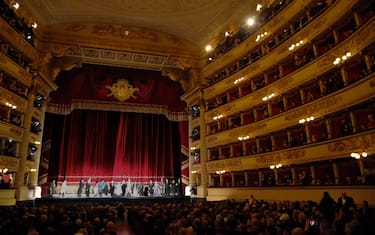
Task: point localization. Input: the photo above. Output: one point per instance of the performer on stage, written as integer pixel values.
(52, 188)
(101, 187)
(96, 189)
(63, 188)
(118, 189)
(157, 191)
(167, 188)
(151, 188)
(123, 188)
(129, 187)
(112, 188)
(80, 187)
(88, 186)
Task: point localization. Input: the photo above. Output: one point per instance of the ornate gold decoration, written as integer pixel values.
(122, 90)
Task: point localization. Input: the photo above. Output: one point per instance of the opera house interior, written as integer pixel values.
(190, 102)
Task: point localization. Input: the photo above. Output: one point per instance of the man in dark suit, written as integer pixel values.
(344, 204)
(345, 201)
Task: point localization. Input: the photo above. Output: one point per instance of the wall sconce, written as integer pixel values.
(193, 172)
(218, 117)
(208, 48)
(15, 5)
(268, 97)
(34, 25)
(276, 166)
(241, 138)
(239, 80)
(294, 45)
(339, 60)
(12, 106)
(220, 172)
(260, 36)
(359, 155)
(303, 120)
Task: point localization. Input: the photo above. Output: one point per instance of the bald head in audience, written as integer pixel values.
(298, 231)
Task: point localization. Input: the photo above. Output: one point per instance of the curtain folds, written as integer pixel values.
(113, 145)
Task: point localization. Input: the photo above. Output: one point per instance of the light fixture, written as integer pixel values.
(34, 25)
(193, 172)
(308, 119)
(250, 21)
(227, 34)
(218, 117)
(15, 5)
(242, 138)
(208, 48)
(239, 80)
(359, 155)
(220, 172)
(294, 45)
(12, 106)
(259, 6)
(268, 96)
(344, 57)
(275, 166)
(260, 36)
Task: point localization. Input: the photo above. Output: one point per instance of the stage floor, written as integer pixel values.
(108, 199)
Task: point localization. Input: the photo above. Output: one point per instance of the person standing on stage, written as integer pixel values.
(156, 190)
(80, 188)
(96, 189)
(123, 188)
(112, 188)
(151, 188)
(63, 188)
(129, 187)
(88, 186)
(167, 188)
(173, 188)
(52, 188)
(101, 187)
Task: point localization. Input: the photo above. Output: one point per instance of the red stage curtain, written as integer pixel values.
(113, 144)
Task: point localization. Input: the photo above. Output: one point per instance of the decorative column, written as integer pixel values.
(276, 176)
(261, 177)
(23, 150)
(329, 129)
(362, 170)
(344, 76)
(313, 174)
(33, 180)
(294, 175)
(336, 173)
(353, 120)
(204, 151)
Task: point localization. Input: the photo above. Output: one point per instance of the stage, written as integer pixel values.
(74, 199)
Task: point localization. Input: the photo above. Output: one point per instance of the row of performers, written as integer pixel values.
(124, 188)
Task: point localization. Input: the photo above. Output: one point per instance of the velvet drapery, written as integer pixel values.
(113, 145)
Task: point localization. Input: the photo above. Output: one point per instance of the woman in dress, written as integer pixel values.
(63, 188)
(96, 189)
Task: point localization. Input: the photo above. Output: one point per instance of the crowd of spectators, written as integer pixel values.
(185, 217)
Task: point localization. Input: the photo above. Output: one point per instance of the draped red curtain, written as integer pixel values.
(113, 145)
